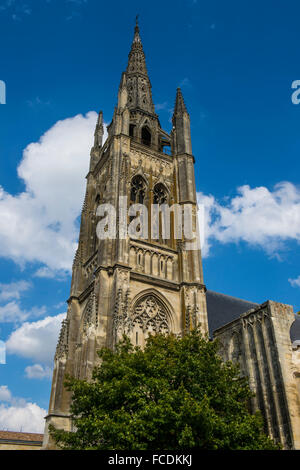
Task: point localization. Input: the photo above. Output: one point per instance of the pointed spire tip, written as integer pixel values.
(180, 106)
(137, 28)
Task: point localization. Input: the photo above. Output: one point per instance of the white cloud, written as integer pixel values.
(258, 216)
(13, 313)
(26, 418)
(39, 225)
(5, 394)
(13, 290)
(37, 371)
(206, 205)
(295, 282)
(47, 273)
(36, 340)
(59, 305)
(18, 414)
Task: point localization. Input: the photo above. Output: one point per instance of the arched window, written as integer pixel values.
(146, 136)
(150, 316)
(160, 194)
(138, 190)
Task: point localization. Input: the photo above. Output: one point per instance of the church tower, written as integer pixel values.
(123, 283)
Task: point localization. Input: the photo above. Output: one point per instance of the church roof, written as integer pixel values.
(223, 309)
(21, 437)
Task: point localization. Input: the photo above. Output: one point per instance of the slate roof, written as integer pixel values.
(223, 309)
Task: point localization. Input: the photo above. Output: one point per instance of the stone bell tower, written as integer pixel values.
(125, 284)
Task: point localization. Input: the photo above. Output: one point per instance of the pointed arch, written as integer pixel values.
(138, 189)
(152, 312)
(88, 316)
(160, 194)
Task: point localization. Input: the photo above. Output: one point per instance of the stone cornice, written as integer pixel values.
(153, 245)
(148, 279)
(193, 284)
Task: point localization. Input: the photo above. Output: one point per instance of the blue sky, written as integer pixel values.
(61, 61)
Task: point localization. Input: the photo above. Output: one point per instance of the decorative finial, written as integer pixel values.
(137, 23)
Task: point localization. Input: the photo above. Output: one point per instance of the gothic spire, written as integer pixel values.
(181, 126)
(138, 83)
(137, 62)
(180, 107)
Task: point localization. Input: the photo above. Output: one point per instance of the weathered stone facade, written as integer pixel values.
(137, 286)
(260, 342)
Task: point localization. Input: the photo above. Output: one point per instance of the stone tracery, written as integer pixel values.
(151, 315)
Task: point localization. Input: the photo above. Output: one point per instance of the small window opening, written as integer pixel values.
(131, 130)
(146, 136)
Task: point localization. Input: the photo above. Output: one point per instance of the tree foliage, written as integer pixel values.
(175, 394)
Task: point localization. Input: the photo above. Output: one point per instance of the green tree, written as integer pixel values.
(175, 394)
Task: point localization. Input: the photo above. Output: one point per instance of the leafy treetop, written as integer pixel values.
(175, 394)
